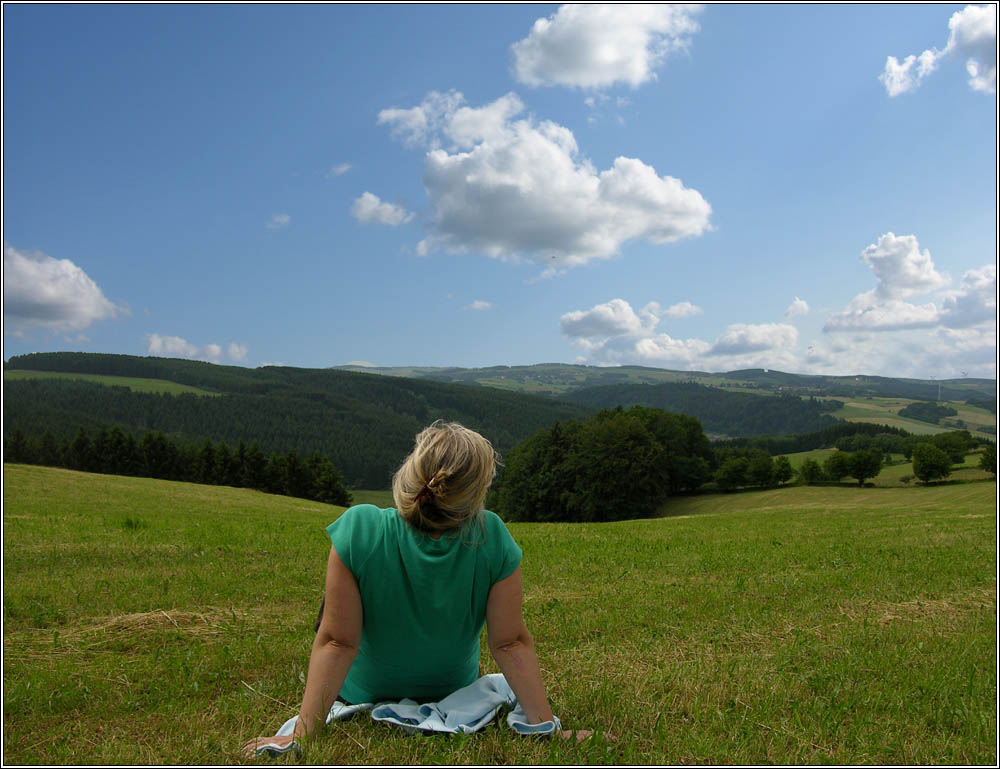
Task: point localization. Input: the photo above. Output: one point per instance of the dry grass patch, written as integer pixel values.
(207, 622)
(944, 612)
(97, 635)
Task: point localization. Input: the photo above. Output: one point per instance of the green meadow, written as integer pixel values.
(136, 384)
(885, 411)
(900, 472)
(150, 622)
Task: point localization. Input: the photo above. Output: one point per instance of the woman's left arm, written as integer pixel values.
(333, 650)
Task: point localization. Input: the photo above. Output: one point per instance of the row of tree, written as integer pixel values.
(751, 467)
(860, 465)
(755, 468)
(118, 452)
(956, 444)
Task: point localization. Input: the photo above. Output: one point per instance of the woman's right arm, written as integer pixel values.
(333, 651)
(514, 650)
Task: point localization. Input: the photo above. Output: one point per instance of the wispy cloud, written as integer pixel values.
(973, 36)
(340, 170)
(278, 221)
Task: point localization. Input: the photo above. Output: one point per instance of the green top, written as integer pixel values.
(424, 601)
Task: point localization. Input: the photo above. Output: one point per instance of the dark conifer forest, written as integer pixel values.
(720, 412)
(363, 423)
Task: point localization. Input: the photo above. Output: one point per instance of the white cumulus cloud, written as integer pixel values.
(613, 333)
(55, 294)
(171, 347)
(973, 36)
(903, 270)
(902, 76)
(941, 352)
(479, 305)
(796, 308)
(339, 170)
(237, 352)
(421, 124)
(881, 332)
(369, 208)
(682, 310)
(278, 221)
(664, 350)
(871, 312)
(613, 318)
(901, 267)
(519, 188)
(599, 45)
(741, 338)
(975, 302)
(177, 347)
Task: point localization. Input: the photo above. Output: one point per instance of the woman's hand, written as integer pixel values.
(249, 750)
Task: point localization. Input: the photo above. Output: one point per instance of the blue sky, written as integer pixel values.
(807, 188)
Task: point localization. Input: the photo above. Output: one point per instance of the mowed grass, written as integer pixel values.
(157, 622)
(885, 411)
(136, 384)
(817, 455)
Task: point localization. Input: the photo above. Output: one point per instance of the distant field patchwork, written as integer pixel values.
(133, 383)
(885, 411)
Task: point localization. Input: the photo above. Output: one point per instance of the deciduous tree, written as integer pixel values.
(930, 463)
(810, 472)
(865, 465)
(837, 466)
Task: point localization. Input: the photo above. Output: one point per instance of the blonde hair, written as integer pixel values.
(442, 484)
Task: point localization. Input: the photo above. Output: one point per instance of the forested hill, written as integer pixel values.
(364, 423)
(561, 378)
(720, 412)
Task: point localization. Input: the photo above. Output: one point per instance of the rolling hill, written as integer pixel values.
(559, 378)
(364, 420)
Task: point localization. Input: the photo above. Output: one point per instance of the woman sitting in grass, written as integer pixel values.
(409, 589)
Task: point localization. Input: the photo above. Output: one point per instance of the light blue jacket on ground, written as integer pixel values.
(465, 711)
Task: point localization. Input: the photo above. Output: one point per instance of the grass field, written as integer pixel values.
(818, 455)
(151, 622)
(133, 383)
(900, 473)
(885, 411)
